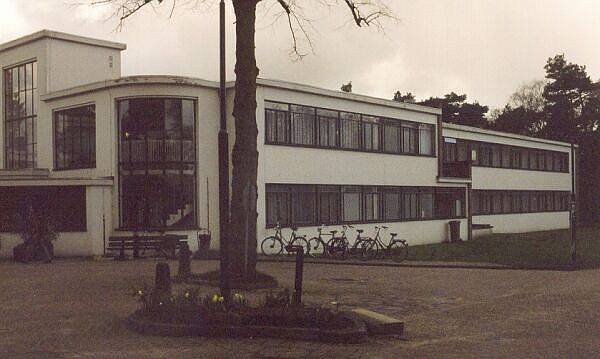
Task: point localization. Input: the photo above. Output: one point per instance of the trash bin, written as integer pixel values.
(454, 231)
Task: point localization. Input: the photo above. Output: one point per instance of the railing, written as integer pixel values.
(458, 169)
(157, 150)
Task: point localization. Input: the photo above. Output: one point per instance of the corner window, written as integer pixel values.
(75, 138)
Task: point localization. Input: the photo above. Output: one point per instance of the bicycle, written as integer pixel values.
(339, 244)
(276, 244)
(319, 247)
(396, 249)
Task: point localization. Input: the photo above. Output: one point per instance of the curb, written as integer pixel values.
(406, 264)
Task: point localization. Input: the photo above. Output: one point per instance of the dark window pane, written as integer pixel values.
(350, 130)
(391, 141)
(74, 138)
(426, 139)
(409, 138)
(426, 205)
(392, 209)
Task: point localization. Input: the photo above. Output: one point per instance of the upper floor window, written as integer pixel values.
(289, 124)
(20, 110)
(75, 138)
(485, 154)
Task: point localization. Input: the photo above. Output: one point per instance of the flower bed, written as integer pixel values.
(190, 314)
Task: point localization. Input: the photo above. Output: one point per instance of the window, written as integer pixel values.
(426, 205)
(68, 214)
(351, 201)
(409, 199)
(289, 124)
(372, 202)
(392, 136)
(426, 139)
(506, 158)
(350, 130)
(475, 202)
(157, 163)
(328, 127)
(303, 205)
(278, 205)
(277, 126)
(496, 156)
(524, 159)
(410, 138)
(303, 125)
(392, 205)
(371, 133)
(75, 138)
(450, 150)
(20, 116)
(329, 204)
(518, 201)
(336, 204)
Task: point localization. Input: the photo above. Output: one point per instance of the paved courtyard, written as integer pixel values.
(77, 309)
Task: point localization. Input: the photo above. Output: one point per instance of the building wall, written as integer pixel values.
(290, 164)
(90, 242)
(487, 178)
(90, 64)
(525, 222)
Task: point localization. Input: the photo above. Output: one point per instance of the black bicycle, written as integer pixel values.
(319, 247)
(275, 245)
(396, 249)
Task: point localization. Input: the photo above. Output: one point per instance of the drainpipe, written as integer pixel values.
(572, 212)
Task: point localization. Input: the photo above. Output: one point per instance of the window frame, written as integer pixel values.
(92, 138)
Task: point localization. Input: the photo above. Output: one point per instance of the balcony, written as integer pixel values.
(457, 169)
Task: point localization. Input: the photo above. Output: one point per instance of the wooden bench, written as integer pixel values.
(165, 245)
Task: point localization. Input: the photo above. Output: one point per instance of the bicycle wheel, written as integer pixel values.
(301, 241)
(271, 246)
(367, 249)
(398, 251)
(317, 248)
(338, 247)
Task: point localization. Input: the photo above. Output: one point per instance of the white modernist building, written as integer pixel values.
(106, 155)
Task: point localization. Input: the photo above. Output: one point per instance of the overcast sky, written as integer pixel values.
(485, 49)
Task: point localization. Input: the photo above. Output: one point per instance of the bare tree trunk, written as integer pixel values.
(245, 154)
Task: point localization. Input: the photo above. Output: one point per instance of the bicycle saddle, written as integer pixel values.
(360, 230)
(393, 234)
(333, 232)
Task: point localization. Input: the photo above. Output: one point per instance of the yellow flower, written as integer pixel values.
(215, 298)
(187, 295)
(140, 292)
(220, 299)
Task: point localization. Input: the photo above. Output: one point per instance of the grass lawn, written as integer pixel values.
(540, 250)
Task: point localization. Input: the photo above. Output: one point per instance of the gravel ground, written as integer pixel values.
(77, 309)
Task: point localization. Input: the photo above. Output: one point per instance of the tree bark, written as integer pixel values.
(245, 155)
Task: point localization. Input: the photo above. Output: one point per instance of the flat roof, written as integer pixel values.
(347, 96)
(48, 34)
(130, 80)
(471, 129)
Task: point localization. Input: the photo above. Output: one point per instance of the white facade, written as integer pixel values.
(93, 77)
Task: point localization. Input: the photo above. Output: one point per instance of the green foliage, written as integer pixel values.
(399, 97)
(456, 109)
(279, 299)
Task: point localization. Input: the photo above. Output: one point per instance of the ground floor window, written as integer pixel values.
(64, 205)
(337, 204)
(506, 202)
